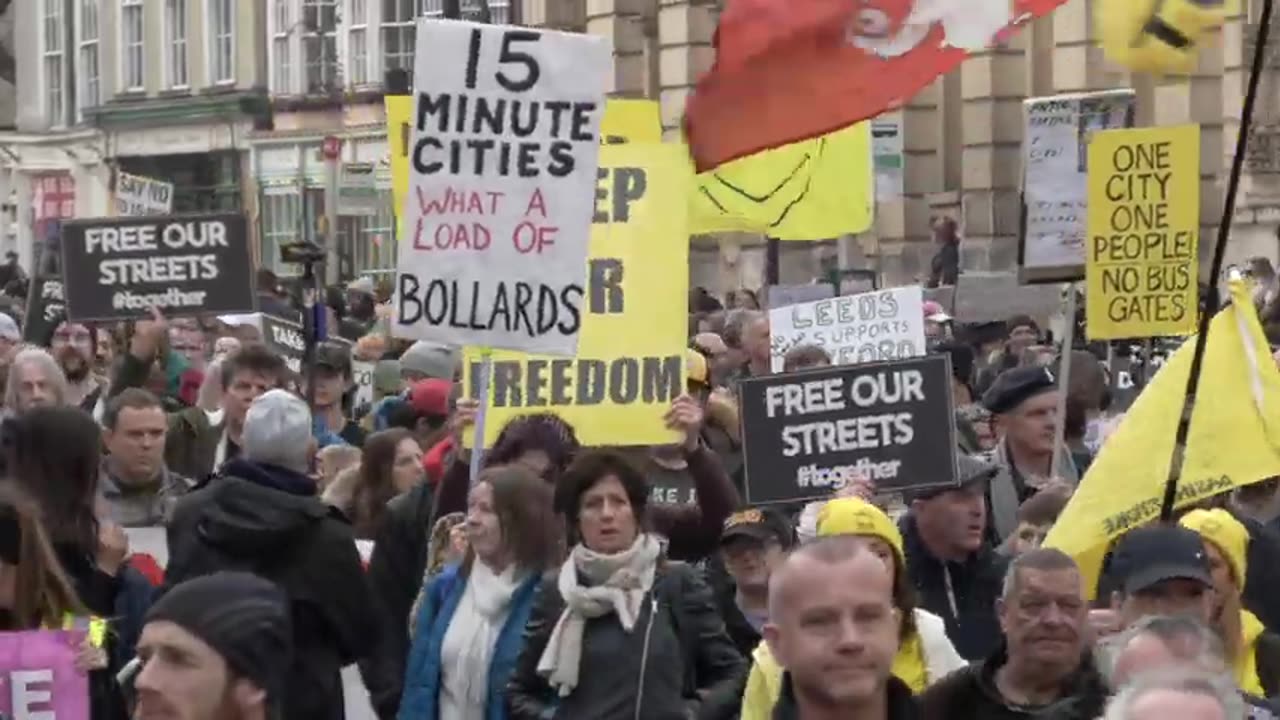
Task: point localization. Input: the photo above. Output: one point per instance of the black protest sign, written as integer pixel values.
(289, 340)
(120, 268)
(808, 434)
(286, 339)
(45, 309)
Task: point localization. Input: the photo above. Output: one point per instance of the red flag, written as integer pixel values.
(790, 70)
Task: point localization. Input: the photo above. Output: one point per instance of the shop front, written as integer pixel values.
(290, 174)
(47, 178)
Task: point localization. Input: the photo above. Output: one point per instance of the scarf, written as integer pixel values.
(1246, 665)
(473, 631)
(615, 583)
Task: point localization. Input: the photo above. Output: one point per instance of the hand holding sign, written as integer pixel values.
(464, 416)
(113, 547)
(90, 657)
(686, 416)
(861, 487)
(149, 336)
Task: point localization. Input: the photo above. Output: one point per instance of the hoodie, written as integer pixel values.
(267, 520)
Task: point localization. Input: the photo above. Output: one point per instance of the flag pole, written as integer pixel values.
(1211, 303)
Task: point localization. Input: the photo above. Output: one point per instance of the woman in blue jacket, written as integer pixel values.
(470, 621)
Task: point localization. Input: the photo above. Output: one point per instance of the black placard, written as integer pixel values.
(118, 268)
(46, 308)
(286, 339)
(289, 340)
(806, 434)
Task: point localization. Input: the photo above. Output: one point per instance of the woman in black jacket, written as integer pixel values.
(620, 633)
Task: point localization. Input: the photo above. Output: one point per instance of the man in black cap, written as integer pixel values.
(1024, 403)
(333, 378)
(215, 648)
(1161, 570)
(953, 567)
(753, 543)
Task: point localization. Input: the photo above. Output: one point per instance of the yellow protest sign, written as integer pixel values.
(1234, 438)
(630, 361)
(399, 131)
(629, 120)
(1144, 216)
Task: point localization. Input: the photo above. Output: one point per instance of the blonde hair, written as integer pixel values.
(341, 492)
(337, 458)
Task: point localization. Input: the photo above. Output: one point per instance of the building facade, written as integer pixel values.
(328, 63)
(231, 100)
(958, 143)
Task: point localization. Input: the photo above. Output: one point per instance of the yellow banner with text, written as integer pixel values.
(630, 361)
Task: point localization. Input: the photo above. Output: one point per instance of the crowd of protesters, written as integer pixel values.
(556, 584)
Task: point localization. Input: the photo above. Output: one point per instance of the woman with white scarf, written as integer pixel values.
(469, 626)
(620, 633)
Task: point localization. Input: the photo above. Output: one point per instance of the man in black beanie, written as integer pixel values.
(215, 648)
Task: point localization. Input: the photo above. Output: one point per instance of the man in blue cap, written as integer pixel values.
(1024, 404)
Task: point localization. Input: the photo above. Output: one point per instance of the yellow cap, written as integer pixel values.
(1226, 533)
(855, 516)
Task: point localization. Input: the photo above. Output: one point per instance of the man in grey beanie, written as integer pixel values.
(217, 646)
(425, 359)
(262, 515)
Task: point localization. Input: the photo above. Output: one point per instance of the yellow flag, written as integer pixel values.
(809, 190)
(399, 135)
(630, 360)
(1234, 438)
(1158, 35)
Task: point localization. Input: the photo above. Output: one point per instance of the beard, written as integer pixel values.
(74, 365)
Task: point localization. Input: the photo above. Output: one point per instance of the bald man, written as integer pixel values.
(834, 628)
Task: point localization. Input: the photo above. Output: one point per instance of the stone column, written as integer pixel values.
(24, 193)
(622, 21)
(1200, 99)
(685, 52)
(1253, 229)
(993, 84)
(899, 241)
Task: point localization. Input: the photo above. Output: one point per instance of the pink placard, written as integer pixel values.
(38, 676)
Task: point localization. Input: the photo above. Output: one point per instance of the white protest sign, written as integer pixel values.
(362, 375)
(502, 186)
(149, 541)
(878, 325)
(1055, 169)
(137, 196)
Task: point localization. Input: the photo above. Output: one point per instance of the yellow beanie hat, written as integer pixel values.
(1224, 531)
(855, 516)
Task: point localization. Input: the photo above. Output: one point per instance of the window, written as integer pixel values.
(88, 73)
(374, 238)
(358, 43)
(499, 11)
(281, 220)
(282, 49)
(320, 45)
(54, 30)
(222, 41)
(134, 55)
(398, 32)
(175, 38)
